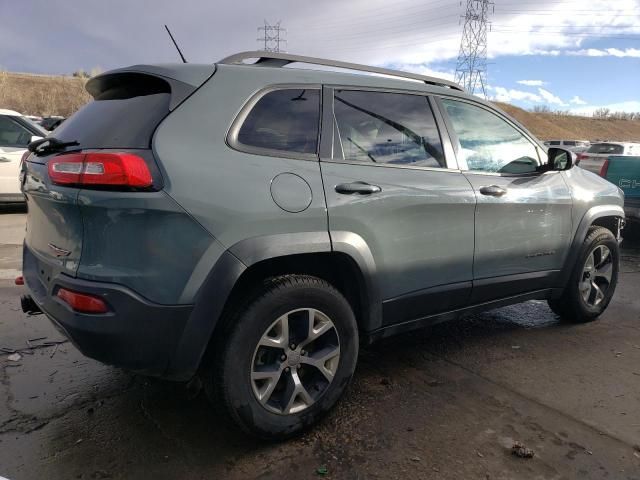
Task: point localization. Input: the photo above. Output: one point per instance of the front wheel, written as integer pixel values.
(593, 280)
(286, 356)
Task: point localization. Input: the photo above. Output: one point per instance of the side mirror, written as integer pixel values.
(560, 159)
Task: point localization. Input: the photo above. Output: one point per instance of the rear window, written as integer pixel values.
(570, 143)
(608, 148)
(554, 142)
(124, 113)
(283, 121)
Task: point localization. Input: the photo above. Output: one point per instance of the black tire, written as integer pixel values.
(228, 380)
(571, 306)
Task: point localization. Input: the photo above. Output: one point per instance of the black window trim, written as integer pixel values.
(455, 141)
(328, 142)
(234, 129)
(16, 121)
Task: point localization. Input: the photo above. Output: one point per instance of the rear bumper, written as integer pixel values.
(135, 334)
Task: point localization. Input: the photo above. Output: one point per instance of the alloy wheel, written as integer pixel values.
(596, 275)
(295, 361)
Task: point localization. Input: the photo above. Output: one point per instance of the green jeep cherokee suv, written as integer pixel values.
(254, 224)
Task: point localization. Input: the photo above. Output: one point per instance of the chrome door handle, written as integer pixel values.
(362, 188)
(4, 159)
(493, 191)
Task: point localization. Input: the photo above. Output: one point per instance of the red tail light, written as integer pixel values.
(100, 169)
(82, 302)
(580, 156)
(604, 168)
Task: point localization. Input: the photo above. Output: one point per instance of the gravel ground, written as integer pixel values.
(447, 403)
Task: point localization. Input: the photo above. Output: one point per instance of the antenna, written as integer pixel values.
(184, 60)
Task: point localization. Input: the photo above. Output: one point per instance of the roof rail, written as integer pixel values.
(274, 59)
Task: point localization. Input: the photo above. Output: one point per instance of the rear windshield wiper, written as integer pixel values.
(50, 145)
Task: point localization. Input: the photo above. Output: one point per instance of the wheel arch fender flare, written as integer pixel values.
(217, 288)
(588, 219)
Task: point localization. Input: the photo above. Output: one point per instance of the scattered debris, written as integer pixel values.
(479, 454)
(37, 339)
(515, 347)
(90, 410)
(55, 349)
(322, 470)
(78, 441)
(519, 450)
(7, 350)
(53, 373)
(14, 357)
(415, 459)
(409, 429)
(385, 381)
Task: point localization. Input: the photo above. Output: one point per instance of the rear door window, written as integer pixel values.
(387, 128)
(282, 122)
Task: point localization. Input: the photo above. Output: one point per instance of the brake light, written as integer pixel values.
(82, 302)
(604, 168)
(118, 169)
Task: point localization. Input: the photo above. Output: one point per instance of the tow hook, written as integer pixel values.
(29, 306)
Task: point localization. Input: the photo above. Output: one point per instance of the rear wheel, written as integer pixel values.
(593, 280)
(286, 357)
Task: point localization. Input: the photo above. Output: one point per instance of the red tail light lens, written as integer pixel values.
(604, 168)
(82, 302)
(119, 169)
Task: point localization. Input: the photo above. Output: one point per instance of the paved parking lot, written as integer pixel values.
(448, 403)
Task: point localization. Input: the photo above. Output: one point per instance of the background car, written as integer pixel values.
(593, 159)
(16, 132)
(51, 123)
(573, 145)
(624, 172)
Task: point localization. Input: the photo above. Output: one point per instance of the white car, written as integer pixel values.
(594, 157)
(577, 146)
(16, 132)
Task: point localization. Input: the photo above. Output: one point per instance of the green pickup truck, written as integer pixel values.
(624, 171)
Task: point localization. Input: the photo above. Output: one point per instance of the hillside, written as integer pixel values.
(57, 95)
(42, 95)
(552, 126)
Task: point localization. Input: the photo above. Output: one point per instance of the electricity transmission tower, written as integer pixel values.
(471, 69)
(271, 36)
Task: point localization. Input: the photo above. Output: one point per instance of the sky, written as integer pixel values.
(576, 55)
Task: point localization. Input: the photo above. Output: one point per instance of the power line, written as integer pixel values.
(272, 37)
(471, 68)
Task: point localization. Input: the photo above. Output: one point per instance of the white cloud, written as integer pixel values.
(628, 106)
(508, 95)
(551, 98)
(606, 52)
(532, 83)
(576, 100)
